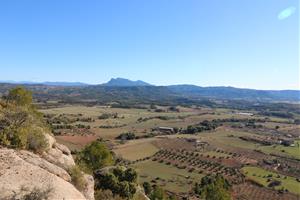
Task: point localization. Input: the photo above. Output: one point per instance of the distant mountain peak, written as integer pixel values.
(123, 82)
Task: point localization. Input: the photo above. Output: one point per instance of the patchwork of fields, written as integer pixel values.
(234, 147)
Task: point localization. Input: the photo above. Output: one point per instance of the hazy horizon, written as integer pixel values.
(41, 82)
(244, 44)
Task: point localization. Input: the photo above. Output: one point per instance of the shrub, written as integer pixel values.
(130, 175)
(77, 178)
(213, 188)
(126, 136)
(107, 195)
(19, 96)
(36, 194)
(21, 125)
(94, 156)
(157, 193)
(147, 188)
(108, 115)
(274, 183)
(120, 181)
(36, 141)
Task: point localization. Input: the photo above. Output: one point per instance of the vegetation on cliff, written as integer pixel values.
(21, 125)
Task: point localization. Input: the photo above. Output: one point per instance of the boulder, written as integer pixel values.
(65, 150)
(56, 156)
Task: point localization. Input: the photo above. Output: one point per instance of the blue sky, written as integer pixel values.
(249, 43)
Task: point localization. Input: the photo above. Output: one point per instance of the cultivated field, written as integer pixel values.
(197, 141)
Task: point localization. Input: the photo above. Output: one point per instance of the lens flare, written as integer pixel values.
(286, 13)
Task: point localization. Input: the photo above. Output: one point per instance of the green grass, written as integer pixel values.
(257, 174)
(171, 178)
(136, 149)
(283, 150)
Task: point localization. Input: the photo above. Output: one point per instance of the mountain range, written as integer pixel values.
(120, 88)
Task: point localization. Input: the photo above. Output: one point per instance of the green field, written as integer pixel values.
(137, 149)
(170, 178)
(260, 175)
(128, 119)
(292, 151)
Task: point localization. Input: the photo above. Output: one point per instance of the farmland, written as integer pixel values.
(135, 150)
(150, 100)
(174, 147)
(265, 177)
(169, 177)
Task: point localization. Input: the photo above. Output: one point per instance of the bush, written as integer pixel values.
(130, 175)
(120, 181)
(77, 178)
(35, 194)
(36, 141)
(274, 183)
(94, 156)
(108, 115)
(107, 195)
(14, 126)
(126, 136)
(19, 96)
(157, 193)
(147, 188)
(21, 125)
(213, 188)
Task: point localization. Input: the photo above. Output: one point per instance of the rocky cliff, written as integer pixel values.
(23, 173)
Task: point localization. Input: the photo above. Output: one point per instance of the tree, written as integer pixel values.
(94, 156)
(213, 187)
(118, 180)
(130, 175)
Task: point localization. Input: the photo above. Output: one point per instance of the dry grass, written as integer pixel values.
(137, 149)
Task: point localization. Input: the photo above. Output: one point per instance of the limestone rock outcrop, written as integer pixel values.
(22, 172)
(88, 192)
(16, 174)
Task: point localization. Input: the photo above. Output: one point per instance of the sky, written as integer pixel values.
(247, 44)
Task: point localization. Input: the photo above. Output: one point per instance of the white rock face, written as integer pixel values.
(22, 169)
(55, 156)
(50, 140)
(89, 189)
(42, 163)
(65, 150)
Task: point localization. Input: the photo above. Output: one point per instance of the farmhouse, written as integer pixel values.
(245, 113)
(196, 142)
(165, 129)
